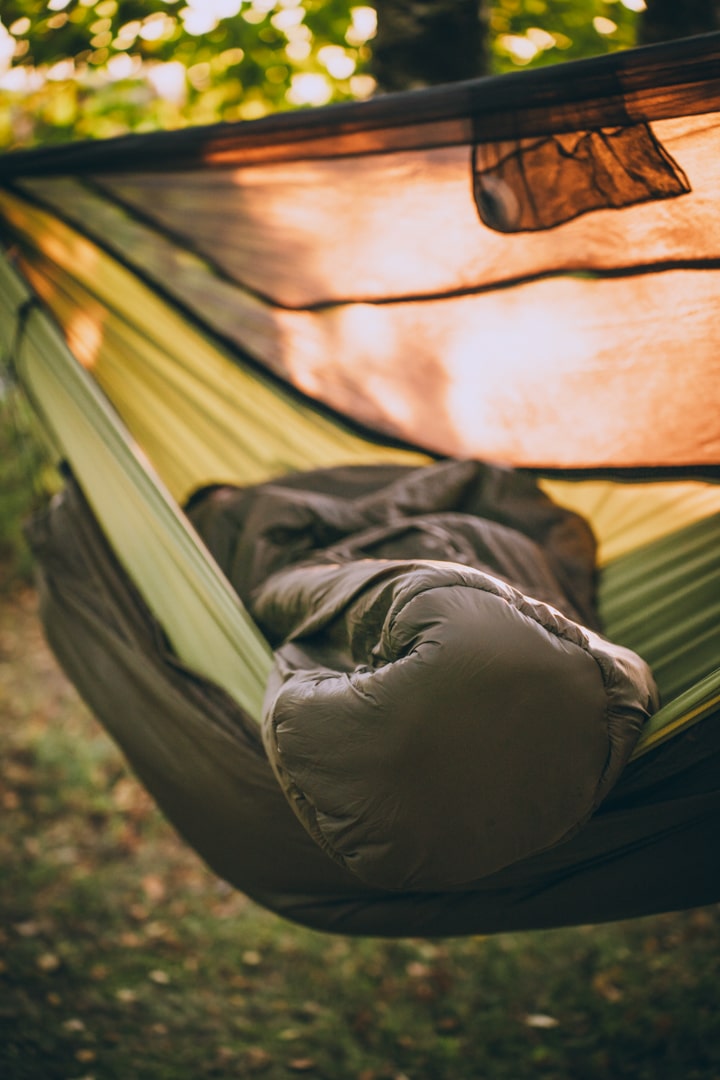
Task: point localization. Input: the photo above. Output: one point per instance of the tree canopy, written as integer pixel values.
(97, 68)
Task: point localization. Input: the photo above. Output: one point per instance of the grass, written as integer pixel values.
(122, 957)
(25, 473)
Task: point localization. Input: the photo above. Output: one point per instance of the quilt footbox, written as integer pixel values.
(439, 708)
(431, 725)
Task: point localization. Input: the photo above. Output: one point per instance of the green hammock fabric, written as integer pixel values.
(200, 417)
(202, 616)
(663, 601)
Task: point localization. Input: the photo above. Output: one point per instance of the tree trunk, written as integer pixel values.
(666, 19)
(424, 42)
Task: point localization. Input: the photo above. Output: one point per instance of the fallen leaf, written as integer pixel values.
(160, 977)
(153, 887)
(48, 962)
(290, 1034)
(302, 1064)
(702, 920)
(448, 1025)
(540, 1020)
(157, 929)
(128, 839)
(28, 929)
(66, 855)
(251, 958)
(125, 794)
(602, 984)
(257, 1059)
(130, 940)
(74, 1024)
(15, 773)
(309, 1010)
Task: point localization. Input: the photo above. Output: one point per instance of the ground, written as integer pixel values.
(122, 957)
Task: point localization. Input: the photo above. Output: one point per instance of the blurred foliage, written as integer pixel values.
(532, 33)
(98, 68)
(26, 477)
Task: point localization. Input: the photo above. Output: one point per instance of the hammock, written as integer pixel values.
(518, 269)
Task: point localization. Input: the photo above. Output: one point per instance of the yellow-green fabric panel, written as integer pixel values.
(663, 601)
(203, 618)
(199, 416)
(626, 516)
(700, 703)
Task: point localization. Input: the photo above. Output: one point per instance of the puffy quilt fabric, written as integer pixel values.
(438, 710)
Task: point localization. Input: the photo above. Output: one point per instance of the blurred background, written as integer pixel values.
(96, 68)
